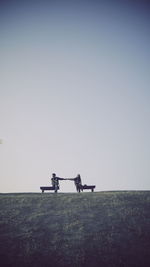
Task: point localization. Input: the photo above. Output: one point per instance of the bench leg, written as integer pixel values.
(92, 190)
(42, 191)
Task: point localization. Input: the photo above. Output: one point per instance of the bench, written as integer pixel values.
(84, 187)
(45, 188)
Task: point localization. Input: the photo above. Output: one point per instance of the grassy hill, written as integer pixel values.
(78, 230)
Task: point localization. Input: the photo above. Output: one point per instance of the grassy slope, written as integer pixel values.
(87, 229)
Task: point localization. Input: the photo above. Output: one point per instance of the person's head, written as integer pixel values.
(53, 175)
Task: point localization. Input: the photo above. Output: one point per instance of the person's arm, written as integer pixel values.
(60, 178)
(70, 179)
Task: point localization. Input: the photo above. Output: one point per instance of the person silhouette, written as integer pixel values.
(77, 182)
(55, 182)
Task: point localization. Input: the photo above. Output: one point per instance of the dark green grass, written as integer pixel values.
(103, 229)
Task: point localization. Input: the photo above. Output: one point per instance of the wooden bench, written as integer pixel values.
(84, 187)
(45, 188)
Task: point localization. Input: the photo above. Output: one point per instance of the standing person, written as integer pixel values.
(77, 182)
(55, 181)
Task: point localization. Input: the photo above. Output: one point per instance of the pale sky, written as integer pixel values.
(74, 94)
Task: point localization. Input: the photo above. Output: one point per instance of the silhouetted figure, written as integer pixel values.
(55, 181)
(77, 182)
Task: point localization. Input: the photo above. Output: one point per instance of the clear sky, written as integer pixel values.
(74, 94)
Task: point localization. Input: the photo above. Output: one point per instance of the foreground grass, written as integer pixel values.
(88, 229)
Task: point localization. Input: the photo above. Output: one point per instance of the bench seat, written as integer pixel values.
(44, 188)
(84, 187)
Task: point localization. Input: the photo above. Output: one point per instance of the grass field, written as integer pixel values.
(103, 229)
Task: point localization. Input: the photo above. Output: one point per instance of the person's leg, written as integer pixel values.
(78, 188)
(56, 188)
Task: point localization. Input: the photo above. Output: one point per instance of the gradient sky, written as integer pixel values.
(74, 94)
